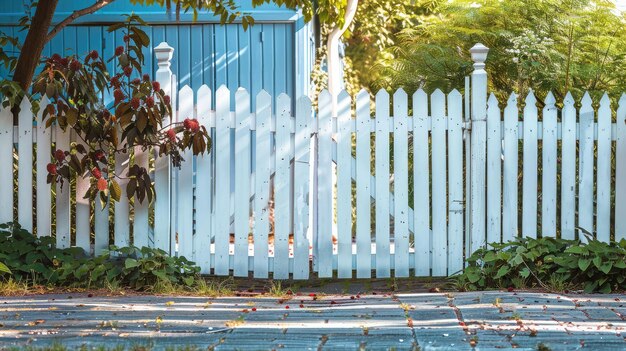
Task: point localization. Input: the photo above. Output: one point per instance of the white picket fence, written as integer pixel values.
(388, 189)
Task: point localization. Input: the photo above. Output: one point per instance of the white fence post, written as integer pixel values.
(162, 210)
(478, 145)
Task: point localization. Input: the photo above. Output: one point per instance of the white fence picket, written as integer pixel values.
(83, 205)
(6, 159)
(325, 186)
(603, 180)
(62, 195)
(401, 184)
(568, 168)
(242, 182)
(301, 189)
(282, 187)
(262, 184)
(381, 154)
(455, 182)
(510, 171)
(529, 168)
(494, 170)
(44, 190)
(204, 189)
(222, 181)
(422, 237)
(548, 173)
(141, 225)
(121, 226)
(344, 187)
(585, 167)
(25, 166)
(184, 178)
(363, 191)
(620, 171)
(439, 181)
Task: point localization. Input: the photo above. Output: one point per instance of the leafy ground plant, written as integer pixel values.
(593, 266)
(38, 261)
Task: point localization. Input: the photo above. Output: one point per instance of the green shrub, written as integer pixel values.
(594, 266)
(38, 260)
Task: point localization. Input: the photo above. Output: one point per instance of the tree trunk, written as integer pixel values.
(333, 60)
(34, 43)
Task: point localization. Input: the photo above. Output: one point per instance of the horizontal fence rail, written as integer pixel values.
(380, 187)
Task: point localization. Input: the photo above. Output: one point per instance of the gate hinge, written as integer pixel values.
(467, 125)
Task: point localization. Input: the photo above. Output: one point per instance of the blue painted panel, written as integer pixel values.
(260, 58)
(12, 10)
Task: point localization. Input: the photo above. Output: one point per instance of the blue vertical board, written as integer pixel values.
(289, 56)
(148, 55)
(269, 65)
(184, 56)
(244, 57)
(208, 54)
(256, 64)
(69, 41)
(82, 45)
(232, 61)
(280, 63)
(221, 74)
(196, 56)
(108, 51)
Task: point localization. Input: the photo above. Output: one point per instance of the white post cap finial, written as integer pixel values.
(479, 55)
(163, 53)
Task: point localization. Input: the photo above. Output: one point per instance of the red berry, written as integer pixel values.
(102, 184)
(301, 306)
(146, 77)
(94, 55)
(56, 58)
(253, 309)
(312, 295)
(195, 126)
(134, 103)
(166, 99)
(119, 50)
(150, 101)
(59, 155)
(115, 81)
(287, 307)
(75, 65)
(136, 81)
(99, 155)
(126, 38)
(510, 289)
(96, 173)
(333, 303)
(156, 86)
(128, 70)
(171, 134)
(52, 168)
(187, 123)
(64, 61)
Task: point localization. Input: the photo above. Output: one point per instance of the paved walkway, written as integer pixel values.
(456, 321)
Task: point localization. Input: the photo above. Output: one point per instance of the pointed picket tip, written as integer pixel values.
(492, 101)
(362, 93)
(569, 99)
(586, 100)
(262, 94)
(605, 100)
(186, 90)
(343, 95)
(324, 96)
(550, 100)
(438, 92)
(419, 94)
(512, 98)
(530, 98)
(204, 89)
(241, 93)
(283, 96)
(304, 100)
(241, 90)
(222, 88)
(382, 93)
(400, 93)
(25, 104)
(454, 94)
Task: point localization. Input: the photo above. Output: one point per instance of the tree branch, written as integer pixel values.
(78, 13)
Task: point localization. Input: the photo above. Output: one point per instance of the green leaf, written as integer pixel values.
(502, 272)
(4, 268)
(116, 190)
(131, 263)
(584, 263)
